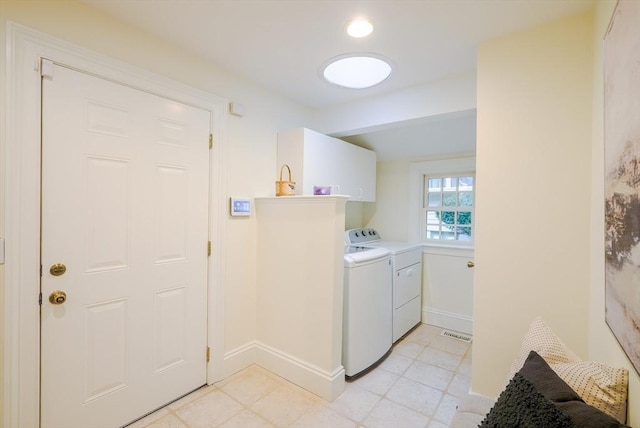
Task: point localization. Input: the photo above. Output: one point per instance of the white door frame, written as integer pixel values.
(21, 141)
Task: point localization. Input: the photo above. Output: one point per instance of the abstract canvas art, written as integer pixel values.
(622, 176)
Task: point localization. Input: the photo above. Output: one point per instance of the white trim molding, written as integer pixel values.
(328, 385)
(20, 142)
(448, 320)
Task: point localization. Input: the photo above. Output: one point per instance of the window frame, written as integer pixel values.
(455, 167)
(442, 208)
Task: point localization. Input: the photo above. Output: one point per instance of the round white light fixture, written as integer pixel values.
(359, 28)
(356, 71)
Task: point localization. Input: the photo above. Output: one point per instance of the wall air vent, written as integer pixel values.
(455, 335)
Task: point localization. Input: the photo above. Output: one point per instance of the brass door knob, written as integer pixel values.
(58, 297)
(470, 264)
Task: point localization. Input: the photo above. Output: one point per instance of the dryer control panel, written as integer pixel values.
(361, 235)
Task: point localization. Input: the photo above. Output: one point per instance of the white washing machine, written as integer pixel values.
(406, 260)
(367, 324)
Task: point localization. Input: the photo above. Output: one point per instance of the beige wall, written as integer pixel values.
(603, 346)
(251, 144)
(533, 195)
(539, 165)
(540, 177)
(390, 213)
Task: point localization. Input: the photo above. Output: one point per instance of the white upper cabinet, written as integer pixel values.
(319, 160)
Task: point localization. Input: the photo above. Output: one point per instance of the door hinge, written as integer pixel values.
(40, 299)
(210, 141)
(208, 354)
(208, 248)
(40, 271)
(46, 68)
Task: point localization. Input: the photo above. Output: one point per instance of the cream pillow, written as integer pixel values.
(600, 386)
(543, 340)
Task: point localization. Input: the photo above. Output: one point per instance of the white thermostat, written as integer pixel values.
(240, 207)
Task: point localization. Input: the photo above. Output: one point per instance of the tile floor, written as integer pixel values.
(418, 385)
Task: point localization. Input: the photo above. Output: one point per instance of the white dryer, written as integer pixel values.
(367, 323)
(406, 261)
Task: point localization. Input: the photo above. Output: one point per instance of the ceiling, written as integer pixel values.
(281, 45)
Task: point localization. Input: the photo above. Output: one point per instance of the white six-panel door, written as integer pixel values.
(125, 209)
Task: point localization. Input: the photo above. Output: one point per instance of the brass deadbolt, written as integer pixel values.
(58, 297)
(57, 269)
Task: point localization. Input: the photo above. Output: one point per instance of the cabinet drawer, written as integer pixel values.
(407, 284)
(407, 258)
(406, 317)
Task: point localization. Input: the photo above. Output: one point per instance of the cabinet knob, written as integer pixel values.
(470, 264)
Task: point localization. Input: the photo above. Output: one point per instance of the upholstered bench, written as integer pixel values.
(549, 385)
(471, 411)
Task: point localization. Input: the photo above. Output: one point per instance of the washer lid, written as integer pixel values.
(354, 254)
(396, 247)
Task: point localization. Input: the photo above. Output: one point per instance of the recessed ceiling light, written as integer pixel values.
(359, 28)
(357, 71)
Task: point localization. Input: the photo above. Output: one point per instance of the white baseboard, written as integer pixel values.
(448, 320)
(328, 385)
(237, 359)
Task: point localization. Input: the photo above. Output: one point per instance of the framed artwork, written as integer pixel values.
(622, 176)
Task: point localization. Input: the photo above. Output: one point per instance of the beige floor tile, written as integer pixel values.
(250, 386)
(168, 421)
(283, 406)
(191, 397)
(149, 418)
(389, 414)
(209, 410)
(448, 344)
(408, 349)
(423, 335)
(355, 403)
(247, 419)
(439, 358)
(437, 424)
(416, 396)
(465, 366)
(397, 364)
(427, 374)
(460, 385)
(377, 381)
(323, 417)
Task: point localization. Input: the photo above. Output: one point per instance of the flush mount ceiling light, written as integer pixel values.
(359, 27)
(356, 71)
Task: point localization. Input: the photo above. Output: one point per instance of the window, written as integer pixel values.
(448, 207)
(449, 200)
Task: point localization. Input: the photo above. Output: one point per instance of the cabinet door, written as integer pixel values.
(362, 174)
(323, 162)
(319, 160)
